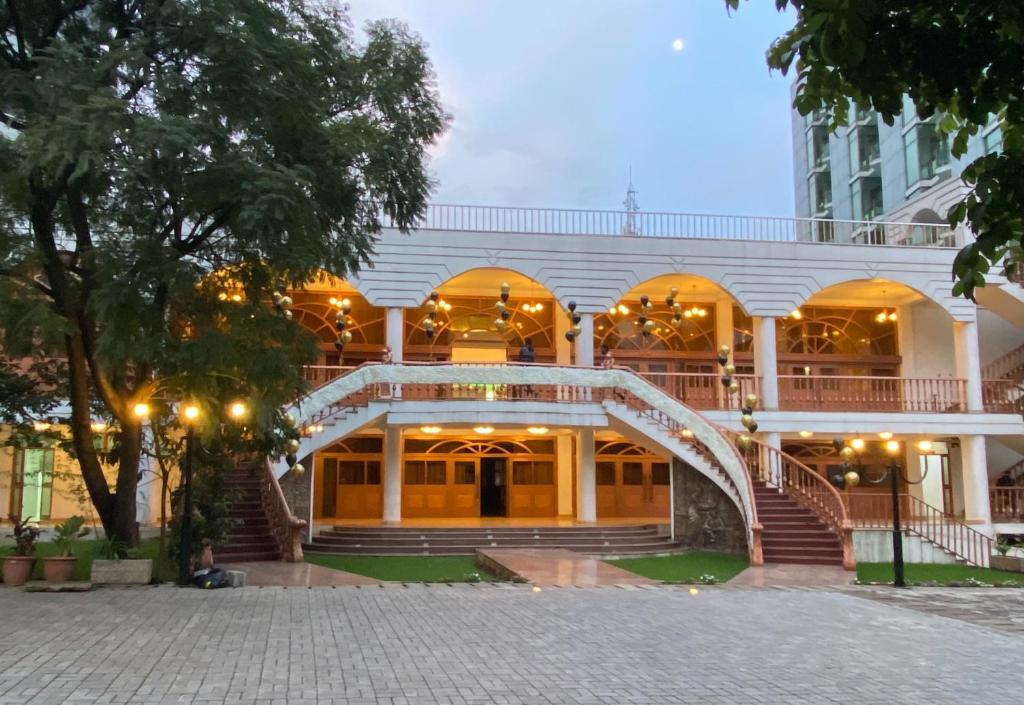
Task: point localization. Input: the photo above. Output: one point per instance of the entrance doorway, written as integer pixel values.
(493, 487)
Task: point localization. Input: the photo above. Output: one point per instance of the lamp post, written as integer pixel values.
(190, 413)
(894, 474)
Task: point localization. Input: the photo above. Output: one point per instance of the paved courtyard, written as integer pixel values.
(485, 644)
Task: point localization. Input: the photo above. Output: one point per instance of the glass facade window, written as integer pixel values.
(993, 141)
(817, 147)
(32, 490)
(866, 198)
(926, 152)
(821, 192)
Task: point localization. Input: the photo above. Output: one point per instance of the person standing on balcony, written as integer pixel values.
(385, 355)
(1005, 480)
(526, 352)
(607, 359)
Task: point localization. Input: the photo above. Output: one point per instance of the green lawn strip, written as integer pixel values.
(686, 567)
(937, 573)
(407, 569)
(86, 551)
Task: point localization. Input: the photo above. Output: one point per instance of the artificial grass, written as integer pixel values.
(407, 569)
(936, 573)
(164, 569)
(689, 567)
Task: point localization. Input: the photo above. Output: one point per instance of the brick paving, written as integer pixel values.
(1001, 609)
(493, 645)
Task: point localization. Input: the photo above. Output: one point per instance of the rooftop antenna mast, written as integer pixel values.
(632, 208)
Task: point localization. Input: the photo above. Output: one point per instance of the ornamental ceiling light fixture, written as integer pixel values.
(885, 315)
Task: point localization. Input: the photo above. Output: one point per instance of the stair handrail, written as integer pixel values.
(809, 489)
(284, 525)
(1004, 364)
(375, 380)
(952, 534)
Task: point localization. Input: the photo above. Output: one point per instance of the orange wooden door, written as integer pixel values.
(464, 493)
(359, 493)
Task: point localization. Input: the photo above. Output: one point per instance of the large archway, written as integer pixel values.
(468, 325)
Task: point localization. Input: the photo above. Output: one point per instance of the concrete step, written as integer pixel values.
(465, 550)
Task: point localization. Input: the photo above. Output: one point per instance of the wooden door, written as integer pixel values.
(464, 493)
(607, 489)
(533, 491)
(359, 489)
(425, 488)
(632, 489)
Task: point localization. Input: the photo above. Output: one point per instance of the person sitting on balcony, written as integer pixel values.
(1005, 480)
(385, 355)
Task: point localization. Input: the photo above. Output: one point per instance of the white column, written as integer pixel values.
(724, 331)
(587, 480)
(394, 334)
(905, 340)
(974, 471)
(392, 474)
(766, 361)
(563, 449)
(563, 348)
(585, 341)
(968, 361)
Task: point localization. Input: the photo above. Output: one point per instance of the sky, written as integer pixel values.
(553, 102)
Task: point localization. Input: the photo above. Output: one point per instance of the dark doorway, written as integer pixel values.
(329, 496)
(493, 487)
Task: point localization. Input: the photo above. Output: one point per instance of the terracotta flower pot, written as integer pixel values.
(58, 569)
(17, 569)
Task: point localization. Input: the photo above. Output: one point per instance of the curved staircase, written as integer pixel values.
(250, 537)
(792, 533)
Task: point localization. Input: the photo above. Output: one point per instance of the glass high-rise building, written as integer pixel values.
(867, 170)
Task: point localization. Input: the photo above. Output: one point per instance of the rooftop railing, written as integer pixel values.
(561, 221)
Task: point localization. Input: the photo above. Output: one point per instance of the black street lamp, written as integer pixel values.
(894, 473)
(190, 414)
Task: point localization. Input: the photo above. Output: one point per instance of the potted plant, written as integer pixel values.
(17, 567)
(59, 568)
(118, 566)
(1003, 561)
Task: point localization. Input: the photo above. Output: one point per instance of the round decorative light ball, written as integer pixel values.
(500, 305)
(286, 301)
(293, 445)
(288, 314)
(289, 420)
(744, 441)
(724, 349)
(673, 291)
(298, 469)
(852, 478)
(499, 323)
(648, 325)
(505, 288)
(733, 387)
(752, 400)
(746, 420)
(846, 453)
(346, 336)
(729, 369)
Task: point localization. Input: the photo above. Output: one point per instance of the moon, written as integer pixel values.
(677, 45)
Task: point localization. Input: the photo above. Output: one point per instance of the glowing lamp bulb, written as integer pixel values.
(141, 410)
(191, 412)
(238, 410)
(857, 444)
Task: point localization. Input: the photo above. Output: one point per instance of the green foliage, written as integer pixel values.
(407, 569)
(67, 533)
(25, 535)
(701, 567)
(211, 501)
(155, 153)
(960, 59)
(938, 574)
(111, 549)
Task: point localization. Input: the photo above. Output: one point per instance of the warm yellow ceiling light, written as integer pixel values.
(623, 309)
(885, 435)
(892, 446)
(431, 430)
(538, 430)
(857, 444)
(797, 314)
(806, 434)
(483, 430)
(924, 445)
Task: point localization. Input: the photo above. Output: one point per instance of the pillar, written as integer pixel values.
(724, 330)
(392, 474)
(968, 361)
(587, 481)
(563, 348)
(563, 450)
(585, 342)
(905, 340)
(766, 361)
(394, 334)
(974, 472)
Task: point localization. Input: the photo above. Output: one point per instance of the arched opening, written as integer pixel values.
(349, 330)
(675, 342)
(928, 216)
(468, 325)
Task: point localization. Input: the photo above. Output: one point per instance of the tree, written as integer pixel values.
(157, 154)
(961, 59)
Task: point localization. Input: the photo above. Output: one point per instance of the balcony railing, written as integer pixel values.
(561, 221)
(703, 391)
(1007, 504)
(902, 394)
(1002, 396)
